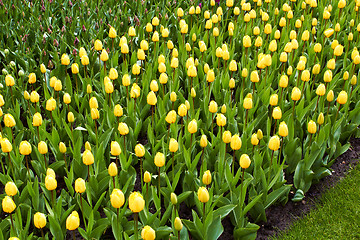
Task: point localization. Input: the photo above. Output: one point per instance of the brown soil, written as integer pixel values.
(281, 217)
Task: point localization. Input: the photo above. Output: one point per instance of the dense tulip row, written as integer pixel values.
(114, 125)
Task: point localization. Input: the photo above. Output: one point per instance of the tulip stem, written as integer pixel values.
(89, 171)
(96, 132)
(141, 173)
(191, 142)
(178, 235)
(46, 165)
(136, 225)
(27, 165)
(42, 234)
(246, 116)
(65, 162)
(242, 181)
(310, 140)
(202, 162)
(172, 164)
(12, 133)
(275, 127)
(281, 143)
(212, 123)
(113, 178)
(293, 110)
(233, 164)
(203, 212)
(11, 166)
(74, 235)
(337, 113)
(317, 102)
(82, 209)
(124, 147)
(159, 193)
(272, 155)
(12, 222)
(38, 133)
(2, 166)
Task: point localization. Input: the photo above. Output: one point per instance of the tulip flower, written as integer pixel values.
(9, 206)
(178, 226)
(341, 99)
(73, 222)
(136, 205)
(203, 196)
(39, 220)
(11, 189)
(148, 233)
(117, 198)
(140, 152)
(206, 177)
(192, 128)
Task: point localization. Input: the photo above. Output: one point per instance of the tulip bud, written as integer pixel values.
(283, 129)
(147, 177)
(51, 104)
(178, 224)
(70, 117)
(311, 127)
(235, 142)
(182, 110)
(62, 147)
(247, 103)
(274, 143)
(254, 76)
(117, 198)
(254, 139)
(115, 148)
(206, 178)
(342, 98)
(295, 94)
(245, 161)
(203, 141)
(123, 128)
(192, 126)
(136, 202)
(173, 198)
(8, 204)
(173, 145)
(274, 99)
(148, 233)
(80, 185)
(25, 148)
(50, 183)
(203, 195)
(95, 113)
(10, 189)
(193, 93)
(223, 109)
(187, 104)
(73, 221)
(88, 157)
(65, 60)
(353, 80)
(9, 120)
(159, 159)
(37, 120)
(220, 120)
(320, 91)
(151, 98)
(39, 220)
(42, 147)
(277, 114)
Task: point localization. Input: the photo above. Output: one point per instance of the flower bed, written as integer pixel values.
(116, 113)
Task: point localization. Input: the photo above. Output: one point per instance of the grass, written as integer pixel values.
(336, 216)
